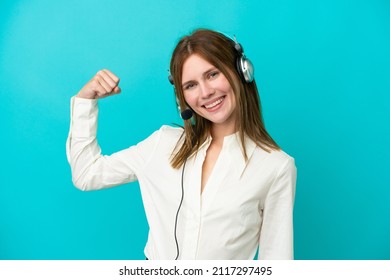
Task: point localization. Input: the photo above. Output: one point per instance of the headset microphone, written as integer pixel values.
(186, 114)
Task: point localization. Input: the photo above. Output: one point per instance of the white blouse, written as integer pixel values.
(245, 205)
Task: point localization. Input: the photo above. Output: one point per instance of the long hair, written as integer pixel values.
(219, 51)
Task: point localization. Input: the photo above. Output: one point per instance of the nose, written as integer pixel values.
(206, 90)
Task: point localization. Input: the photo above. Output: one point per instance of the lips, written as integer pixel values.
(212, 104)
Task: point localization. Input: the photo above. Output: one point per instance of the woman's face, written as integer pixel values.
(208, 92)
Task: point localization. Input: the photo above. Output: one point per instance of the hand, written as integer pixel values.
(103, 84)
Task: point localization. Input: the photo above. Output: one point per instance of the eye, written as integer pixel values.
(213, 75)
(189, 86)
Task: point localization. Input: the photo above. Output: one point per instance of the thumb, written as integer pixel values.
(117, 89)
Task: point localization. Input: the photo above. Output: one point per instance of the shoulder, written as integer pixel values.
(284, 166)
(276, 160)
(280, 156)
(160, 143)
(166, 136)
(170, 133)
(278, 168)
(171, 130)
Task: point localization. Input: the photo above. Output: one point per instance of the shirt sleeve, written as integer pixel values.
(276, 238)
(90, 169)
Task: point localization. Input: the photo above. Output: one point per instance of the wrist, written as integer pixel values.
(85, 95)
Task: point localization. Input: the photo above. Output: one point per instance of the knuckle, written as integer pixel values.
(96, 78)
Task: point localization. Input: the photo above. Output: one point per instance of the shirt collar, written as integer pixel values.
(232, 145)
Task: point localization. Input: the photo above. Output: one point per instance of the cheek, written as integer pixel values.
(225, 85)
(190, 99)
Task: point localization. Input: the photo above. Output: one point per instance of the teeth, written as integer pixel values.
(215, 103)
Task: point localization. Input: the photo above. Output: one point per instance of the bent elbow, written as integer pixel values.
(81, 184)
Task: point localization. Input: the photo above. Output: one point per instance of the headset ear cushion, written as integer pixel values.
(245, 69)
(170, 79)
(248, 70)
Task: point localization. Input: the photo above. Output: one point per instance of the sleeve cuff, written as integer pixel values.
(83, 115)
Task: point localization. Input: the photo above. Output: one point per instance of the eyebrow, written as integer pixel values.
(204, 74)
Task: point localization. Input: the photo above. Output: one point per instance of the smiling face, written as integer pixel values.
(208, 93)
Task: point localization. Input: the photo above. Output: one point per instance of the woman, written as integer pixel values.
(219, 188)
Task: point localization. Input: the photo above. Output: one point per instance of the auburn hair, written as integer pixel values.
(218, 50)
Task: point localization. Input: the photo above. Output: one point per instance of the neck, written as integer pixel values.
(218, 132)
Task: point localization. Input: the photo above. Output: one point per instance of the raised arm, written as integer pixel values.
(90, 169)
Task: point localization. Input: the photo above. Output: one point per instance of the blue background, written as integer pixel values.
(323, 70)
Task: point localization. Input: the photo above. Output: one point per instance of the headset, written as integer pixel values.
(244, 67)
(246, 71)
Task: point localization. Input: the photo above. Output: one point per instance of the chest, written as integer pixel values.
(208, 164)
(214, 181)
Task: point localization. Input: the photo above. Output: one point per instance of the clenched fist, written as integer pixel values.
(103, 84)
